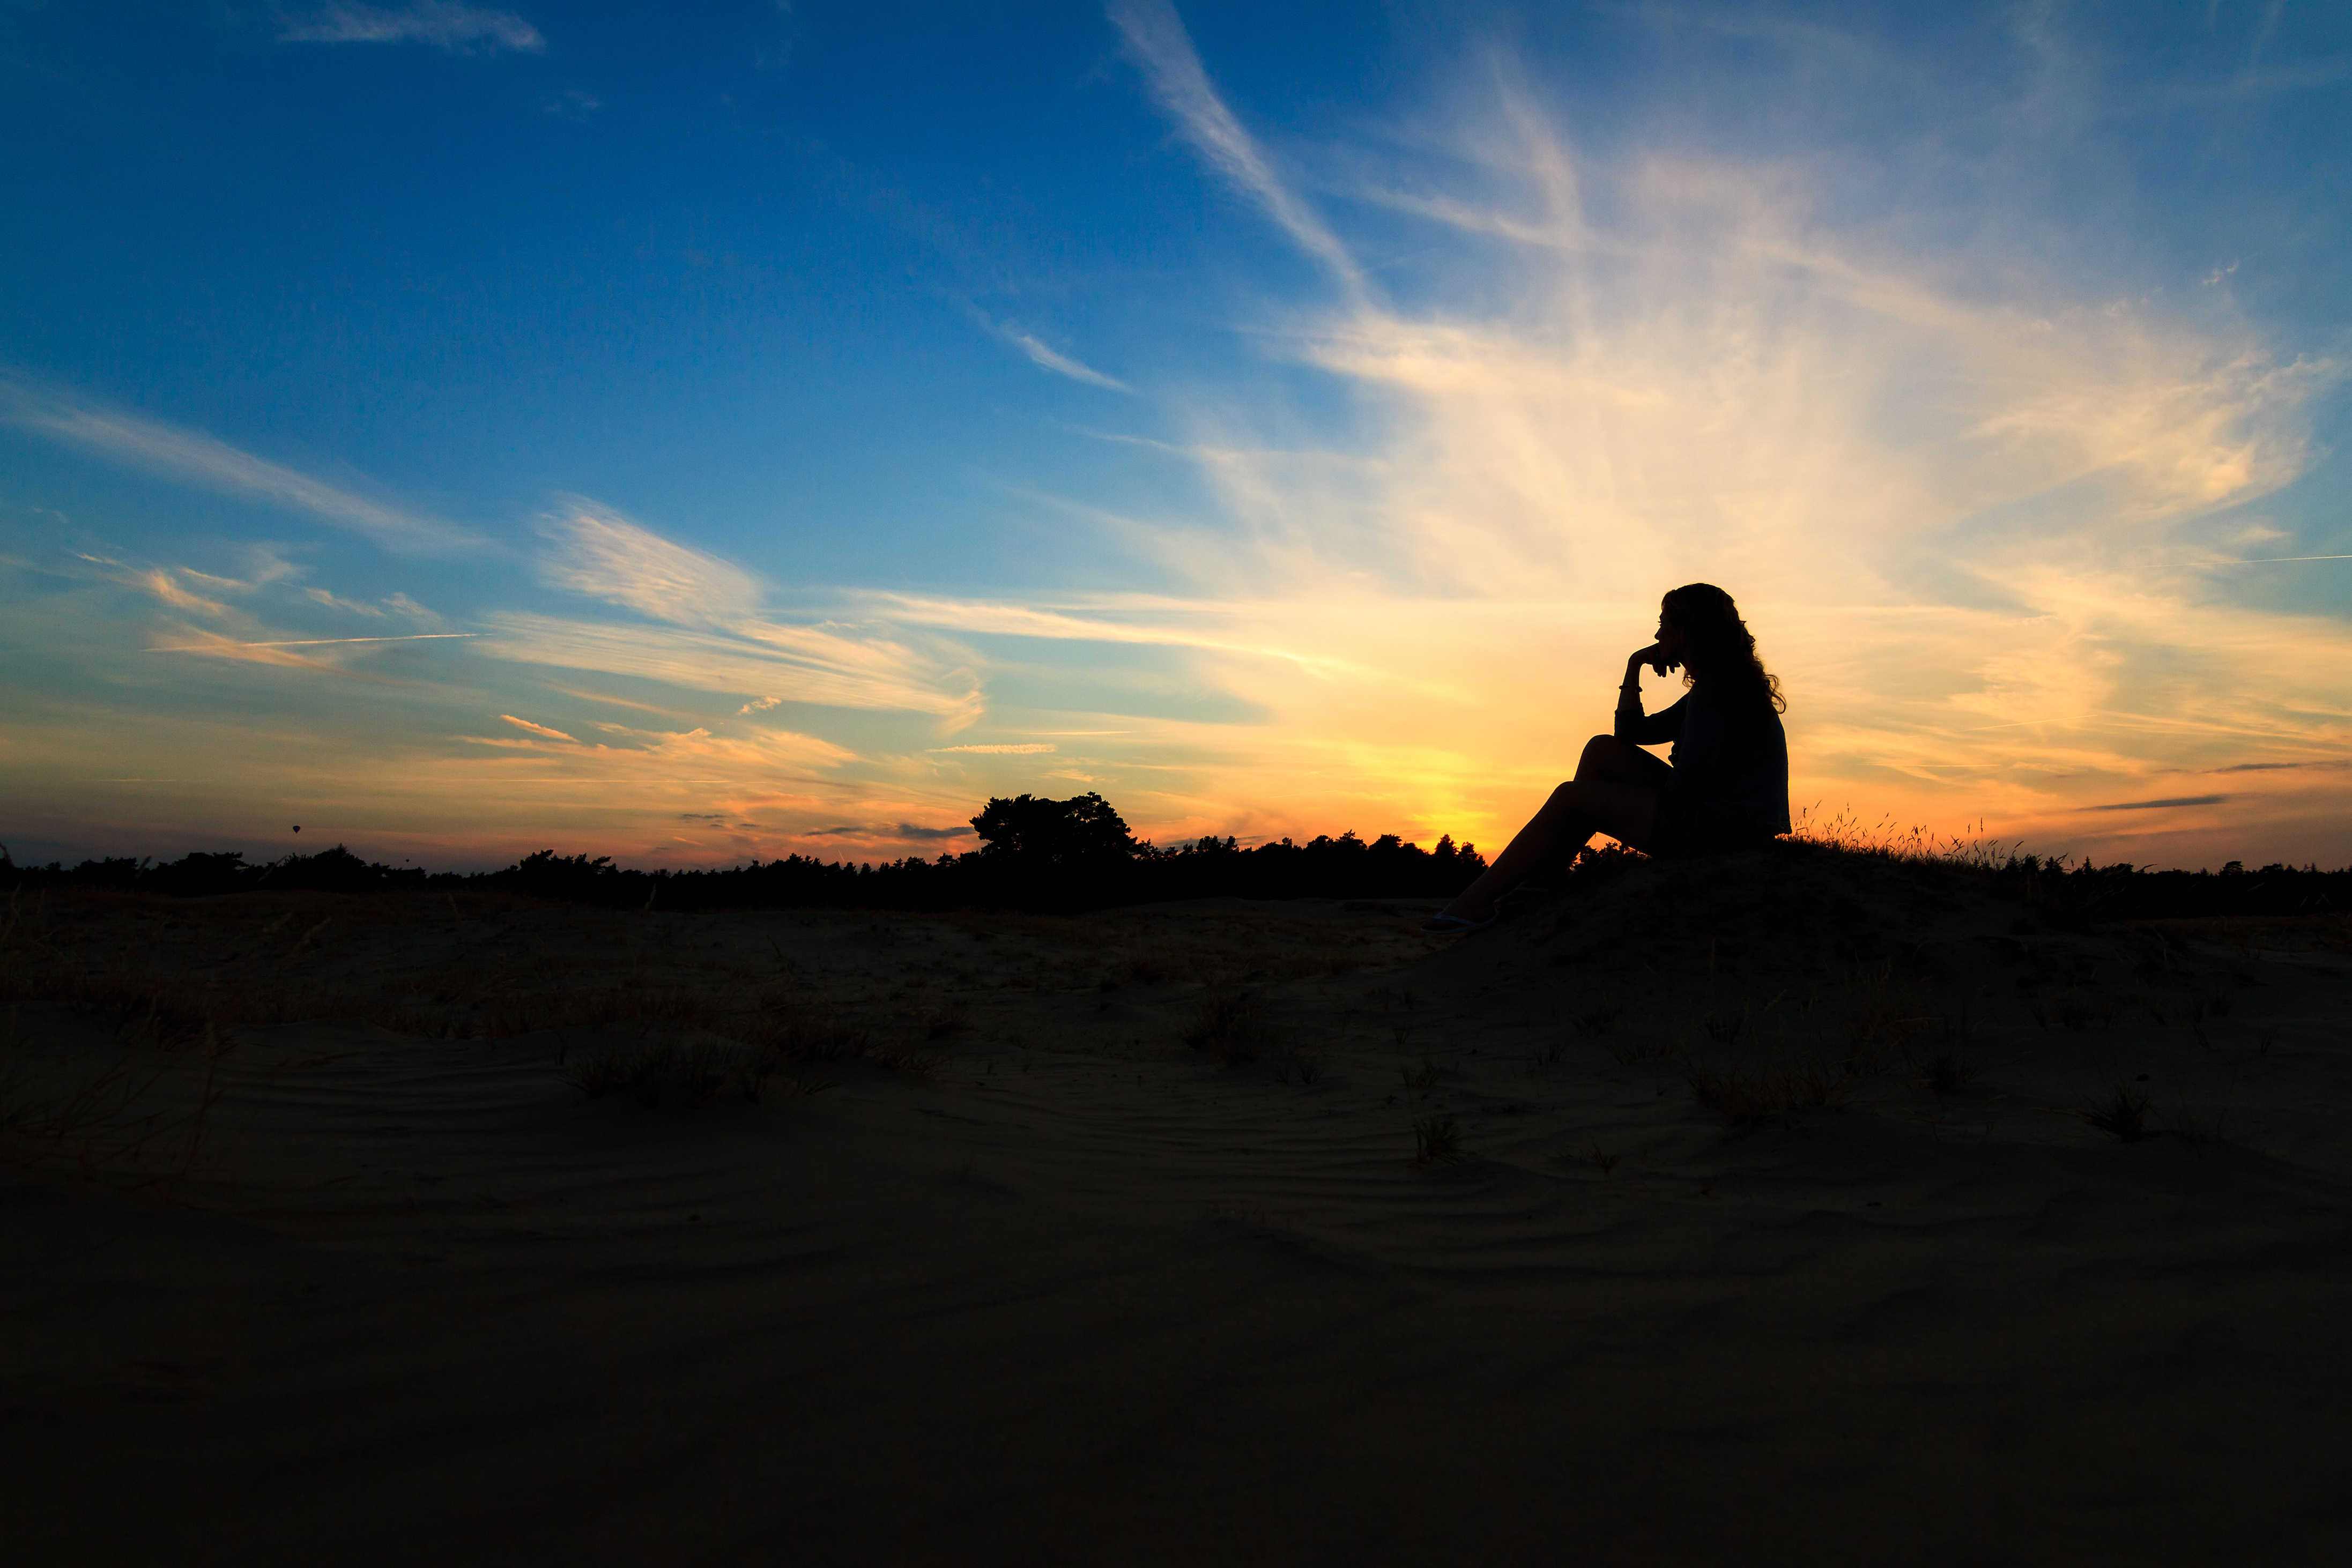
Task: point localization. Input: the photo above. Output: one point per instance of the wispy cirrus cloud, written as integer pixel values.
(600, 553)
(710, 633)
(200, 459)
(1156, 40)
(1027, 748)
(1223, 626)
(161, 584)
(237, 632)
(333, 601)
(808, 664)
(1048, 359)
(749, 761)
(445, 24)
(540, 729)
(278, 654)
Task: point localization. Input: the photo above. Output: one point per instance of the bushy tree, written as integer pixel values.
(1084, 833)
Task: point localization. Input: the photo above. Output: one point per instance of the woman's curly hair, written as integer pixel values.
(1720, 642)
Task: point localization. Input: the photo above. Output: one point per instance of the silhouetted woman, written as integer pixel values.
(1727, 787)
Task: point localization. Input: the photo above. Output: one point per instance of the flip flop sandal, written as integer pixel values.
(1455, 925)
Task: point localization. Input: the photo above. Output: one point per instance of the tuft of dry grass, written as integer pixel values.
(1437, 1140)
(1885, 1019)
(796, 1038)
(1305, 1065)
(1595, 1022)
(1946, 1072)
(691, 1074)
(903, 1059)
(651, 1072)
(2195, 1009)
(1145, 971)
(1587, 1154)
(699, 1071)
(1884, 840)
(1231, 1027)
(1629, 1051)
(1772, 1095)
(2124, 1116)
(2076, 1008)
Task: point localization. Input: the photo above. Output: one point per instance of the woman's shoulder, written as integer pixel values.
(1734, 698)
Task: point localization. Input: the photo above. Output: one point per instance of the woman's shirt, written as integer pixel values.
(1729, 752)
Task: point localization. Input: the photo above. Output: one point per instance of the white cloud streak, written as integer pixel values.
(539, 729)
(275, 655)
(1156, 40)
(714, 637)
(333, 601)
(1151, 621)
(161, 584)
(443, 23)
(1060, 364)
(606, 556)
(806, 664)
(202, 460)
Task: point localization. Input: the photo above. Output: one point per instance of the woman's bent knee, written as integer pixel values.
(1602, 758)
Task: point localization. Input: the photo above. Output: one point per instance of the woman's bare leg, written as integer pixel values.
(1609, 760)
(1616, 791)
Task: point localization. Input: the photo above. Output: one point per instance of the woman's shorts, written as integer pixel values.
(1700, 827)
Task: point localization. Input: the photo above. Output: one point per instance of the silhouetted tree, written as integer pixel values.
(1044, 837)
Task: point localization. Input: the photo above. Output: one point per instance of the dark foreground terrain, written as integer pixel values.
(1801, 1208)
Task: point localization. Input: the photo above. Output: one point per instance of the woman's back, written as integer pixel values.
(1732, 753)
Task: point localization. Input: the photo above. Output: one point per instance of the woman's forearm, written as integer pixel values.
(1629, 703)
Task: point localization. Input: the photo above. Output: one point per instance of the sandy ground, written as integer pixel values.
(997, 1268)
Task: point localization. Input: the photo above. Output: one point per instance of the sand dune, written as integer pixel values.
(998, 1268)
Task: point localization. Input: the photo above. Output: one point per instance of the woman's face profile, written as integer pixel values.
(1669, 640)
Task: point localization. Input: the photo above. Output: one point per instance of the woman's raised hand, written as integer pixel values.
(1656, 657)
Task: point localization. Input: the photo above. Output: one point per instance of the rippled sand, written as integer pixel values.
(997, 1268)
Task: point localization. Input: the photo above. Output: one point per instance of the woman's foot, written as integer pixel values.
(1458, 925)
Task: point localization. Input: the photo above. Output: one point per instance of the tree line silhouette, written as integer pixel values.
(1064, 855)
(1035, 854)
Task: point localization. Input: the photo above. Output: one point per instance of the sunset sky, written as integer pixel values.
(703, 430)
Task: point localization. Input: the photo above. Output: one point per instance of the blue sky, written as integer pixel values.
(705, 430)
